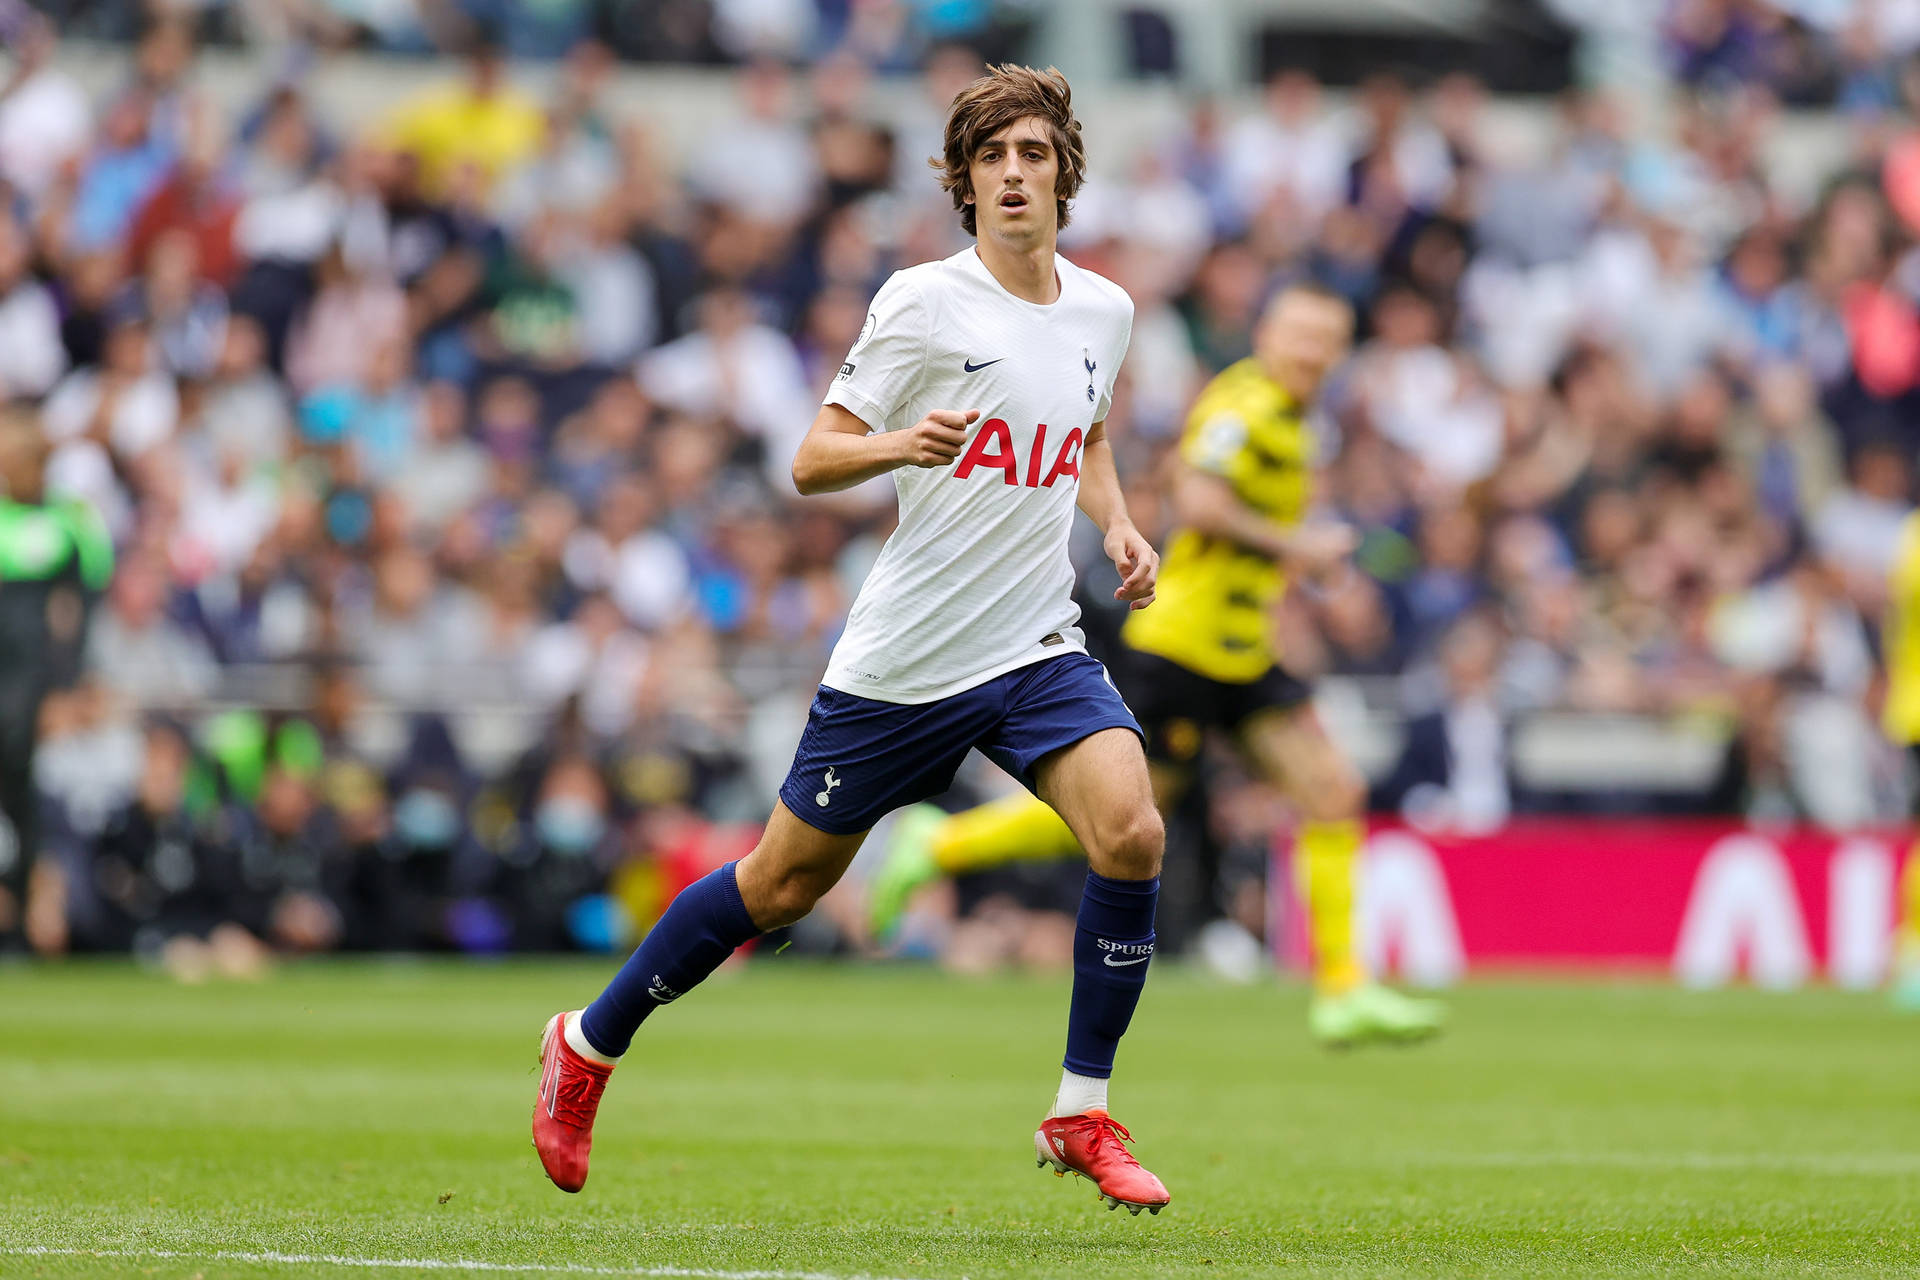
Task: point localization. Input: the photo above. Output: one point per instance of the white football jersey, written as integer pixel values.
(975, 581)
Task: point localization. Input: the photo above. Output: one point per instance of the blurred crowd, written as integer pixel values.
(491, 403)
(892, 35)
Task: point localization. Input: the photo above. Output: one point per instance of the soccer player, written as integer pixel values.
(1205, 658)
(982, 383)
(1900, 717)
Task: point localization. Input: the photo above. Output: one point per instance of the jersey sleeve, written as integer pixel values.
(876, 381)
(1215, 440)
(1105, 406)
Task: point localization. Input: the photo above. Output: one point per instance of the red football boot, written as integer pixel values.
(1093, 1146)
(570, 1089)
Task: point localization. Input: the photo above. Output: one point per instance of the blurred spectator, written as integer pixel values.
(141, 653)
(472, 130)
(1857, 529)
(354, 314)
(44, 116)
(446, 473)
(188, 313)
(292, 865)
(127, 164)
(1452, 772)
(1786, 447)
(552, 877)
(195, 202)
(1290, 151)
(410, 626)
(161, 882)
(760, 165)
(31, 354)
(375, 417)
(129, 404)
(643, 568)
(244, 413)
(612, 288)
(739, 369)
(593, 658)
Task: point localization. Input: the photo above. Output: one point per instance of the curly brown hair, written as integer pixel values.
(1005, 94)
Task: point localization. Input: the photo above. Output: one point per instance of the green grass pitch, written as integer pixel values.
(371, 1119)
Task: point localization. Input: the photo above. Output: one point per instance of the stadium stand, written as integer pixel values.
(440, 414)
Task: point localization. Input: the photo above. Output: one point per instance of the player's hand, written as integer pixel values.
(1319, 550)
(1137, 562)
(938, 438)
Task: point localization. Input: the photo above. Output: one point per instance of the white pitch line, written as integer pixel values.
(1889, 1164)
(425, 1264)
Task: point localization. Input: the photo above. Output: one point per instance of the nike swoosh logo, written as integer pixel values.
(975, 368)
(1121, 964)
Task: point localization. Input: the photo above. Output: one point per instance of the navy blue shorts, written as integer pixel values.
(859, 759)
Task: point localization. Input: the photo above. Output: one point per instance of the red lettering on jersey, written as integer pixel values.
(1033, 456)
(997, 431)
(1068, 463)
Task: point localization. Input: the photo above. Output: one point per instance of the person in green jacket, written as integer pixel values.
(55, 559)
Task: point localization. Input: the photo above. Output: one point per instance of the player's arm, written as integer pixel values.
(860, 431)
(840, 451)
(1206, 503)
(1106, 505)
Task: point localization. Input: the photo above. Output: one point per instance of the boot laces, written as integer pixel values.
(1104, 1129)
(576, 1093)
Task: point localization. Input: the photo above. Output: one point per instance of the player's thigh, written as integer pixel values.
(1101, 788)
(792, 867)
(1292, 750)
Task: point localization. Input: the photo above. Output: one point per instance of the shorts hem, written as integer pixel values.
(1081, 734)
(824, 827)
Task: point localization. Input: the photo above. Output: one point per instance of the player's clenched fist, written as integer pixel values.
(938, 438)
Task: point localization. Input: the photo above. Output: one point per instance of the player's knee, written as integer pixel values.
(1132, 844)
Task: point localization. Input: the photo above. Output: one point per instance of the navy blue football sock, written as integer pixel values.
(694, 936)
(1112, 945)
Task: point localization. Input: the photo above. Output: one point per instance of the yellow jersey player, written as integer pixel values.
(1901, 719)
(1205, 658)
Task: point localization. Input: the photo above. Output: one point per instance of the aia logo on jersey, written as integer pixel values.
(993, 447)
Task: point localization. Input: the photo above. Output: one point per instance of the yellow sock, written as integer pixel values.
(1017, 828)
(1326, 856)
(1907, 937)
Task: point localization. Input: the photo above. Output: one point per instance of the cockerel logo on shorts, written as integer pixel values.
(823, 798)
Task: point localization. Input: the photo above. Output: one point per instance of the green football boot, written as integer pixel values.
(906, 865)
(1370, 1013)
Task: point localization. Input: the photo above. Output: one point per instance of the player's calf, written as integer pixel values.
(778, 892)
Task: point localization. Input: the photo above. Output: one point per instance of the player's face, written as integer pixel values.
(1302, 337)
(1013, 175)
